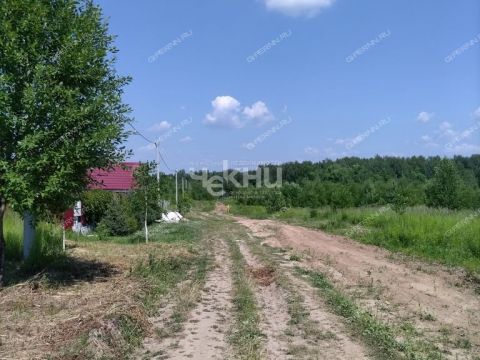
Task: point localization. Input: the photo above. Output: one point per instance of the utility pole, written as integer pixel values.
(157, 148)
(176, 187)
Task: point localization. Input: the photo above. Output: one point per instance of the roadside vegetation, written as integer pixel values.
(246, 336)
(446, 236)
(94, 300)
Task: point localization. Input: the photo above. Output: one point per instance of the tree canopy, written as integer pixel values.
(61, 109)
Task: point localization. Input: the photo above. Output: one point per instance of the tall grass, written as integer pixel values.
(46, 249)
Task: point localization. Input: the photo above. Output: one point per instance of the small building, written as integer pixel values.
(119, 179)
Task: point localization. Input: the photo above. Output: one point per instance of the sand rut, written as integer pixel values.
(331, 342)
(203, 336)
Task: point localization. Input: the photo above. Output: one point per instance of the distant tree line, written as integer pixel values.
(432, 181)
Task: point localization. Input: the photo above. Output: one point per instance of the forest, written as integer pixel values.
(432, 181)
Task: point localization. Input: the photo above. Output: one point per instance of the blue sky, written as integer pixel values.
(278, 80)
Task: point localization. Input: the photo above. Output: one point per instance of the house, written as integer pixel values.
(119, 179)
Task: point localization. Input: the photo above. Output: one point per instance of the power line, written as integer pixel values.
(156, 143)
(163, 160)
(141, 135)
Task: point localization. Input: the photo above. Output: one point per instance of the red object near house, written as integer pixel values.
(118, 179)
(68, 219)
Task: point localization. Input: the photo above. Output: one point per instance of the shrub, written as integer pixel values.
(96, 204)
(185, 204)
(118, 219)
(444, 188)
(274, 201)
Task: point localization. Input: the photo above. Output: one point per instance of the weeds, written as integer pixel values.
(433, 234)
(247, 336)
(381, 337)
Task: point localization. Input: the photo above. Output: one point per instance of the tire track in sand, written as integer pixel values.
(204, 335)
(332, 340)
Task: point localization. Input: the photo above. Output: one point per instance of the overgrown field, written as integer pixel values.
(93, 301)
(450, 237)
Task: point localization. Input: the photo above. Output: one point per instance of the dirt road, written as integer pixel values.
(279, 292)
(429, 298)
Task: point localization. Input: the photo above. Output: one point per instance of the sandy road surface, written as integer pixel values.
(333, 342)
(431, 297)
(204, 335)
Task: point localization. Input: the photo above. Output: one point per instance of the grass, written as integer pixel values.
(382, 337)
(46, 252)
(164, 269)
(246, 336)
(251, 211)
(448, 237)
(300, 321)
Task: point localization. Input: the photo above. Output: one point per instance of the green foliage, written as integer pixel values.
(247, 336)
(185, 204)
(351, 181)
(144, 201)
(340, 197)
(444, 189)
(119, 219)
(252, 211)
(61, 110)
(47, 247)
(96, 204)
(274, 200)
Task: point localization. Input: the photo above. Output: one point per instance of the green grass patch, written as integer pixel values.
(246, 336)
(251, 211)
(47, 250)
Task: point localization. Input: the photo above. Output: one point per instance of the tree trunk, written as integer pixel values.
(3, 207)
(146, 217)
(28, 234)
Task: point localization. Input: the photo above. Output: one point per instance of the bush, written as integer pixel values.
(96, 204)
(185, 204)
(274, 201)
(118, 219)
(444, 189)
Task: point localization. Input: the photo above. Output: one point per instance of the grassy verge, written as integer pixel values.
(449, 237)
(47, 249)
(300, 321)
(382, 338)
(246, 336)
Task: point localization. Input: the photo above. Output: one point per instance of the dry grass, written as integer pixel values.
(88, 309)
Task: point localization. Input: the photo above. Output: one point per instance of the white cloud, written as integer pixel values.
(476, 114)
(186, 139)
(225, 113)
(429, 141)
(425, 116)
(298, 7)
(454, 141)
(161, 126)
(463, 148)
(258, 112)
(311, 150)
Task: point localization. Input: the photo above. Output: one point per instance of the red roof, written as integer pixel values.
(120, 178)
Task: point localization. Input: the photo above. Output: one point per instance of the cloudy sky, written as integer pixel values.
(276, 80)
